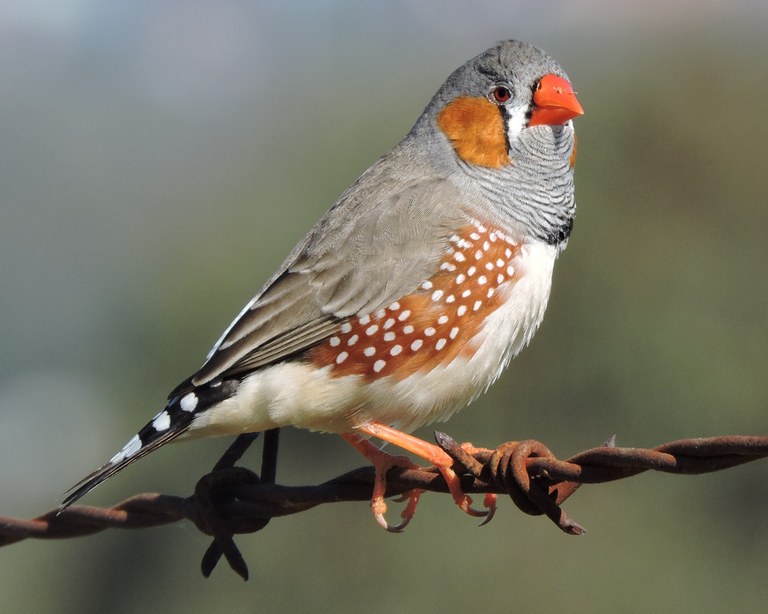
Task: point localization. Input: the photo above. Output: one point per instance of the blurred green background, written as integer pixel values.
(158, 159)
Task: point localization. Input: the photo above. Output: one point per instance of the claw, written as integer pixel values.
(409, 510)
(407, 514)
(382, 462)
(489, 502)
(464, 501)
(379, 508)
(466, 507)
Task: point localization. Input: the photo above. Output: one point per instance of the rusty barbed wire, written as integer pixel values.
(233, 500)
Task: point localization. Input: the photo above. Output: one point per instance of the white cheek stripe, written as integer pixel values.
(516, 122)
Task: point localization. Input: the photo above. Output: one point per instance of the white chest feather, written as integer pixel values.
(436, 395)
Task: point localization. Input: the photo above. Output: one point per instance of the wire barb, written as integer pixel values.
(209, 495)
(232, 500)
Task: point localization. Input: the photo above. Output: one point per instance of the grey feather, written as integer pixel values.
(382, 239)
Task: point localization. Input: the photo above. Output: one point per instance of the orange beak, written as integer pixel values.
(554, 102)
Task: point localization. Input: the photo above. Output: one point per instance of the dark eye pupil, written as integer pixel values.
(501, 94)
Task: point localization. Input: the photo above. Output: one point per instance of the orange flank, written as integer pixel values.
(437, 322)
(476, 130)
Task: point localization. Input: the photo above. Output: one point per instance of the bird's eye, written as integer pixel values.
(501, 94)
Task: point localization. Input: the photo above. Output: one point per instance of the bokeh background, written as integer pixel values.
(159, 158)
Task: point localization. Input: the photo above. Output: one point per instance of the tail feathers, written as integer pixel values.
(166, 426)
(132, 451)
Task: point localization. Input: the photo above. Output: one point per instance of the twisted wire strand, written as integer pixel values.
(233, 500)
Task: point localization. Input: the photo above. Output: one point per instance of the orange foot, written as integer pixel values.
(429, 452)
(382, 463)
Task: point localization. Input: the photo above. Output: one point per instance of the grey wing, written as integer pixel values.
(371, 248)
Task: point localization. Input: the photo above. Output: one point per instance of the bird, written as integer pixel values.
(413, 292)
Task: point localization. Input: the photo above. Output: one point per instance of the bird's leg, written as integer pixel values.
(434, 455)
(382, 463)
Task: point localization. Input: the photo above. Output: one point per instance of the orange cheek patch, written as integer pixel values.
(476, 130)
(434, 324)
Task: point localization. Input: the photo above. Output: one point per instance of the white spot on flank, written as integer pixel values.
(461, 310)
(486, 246)
(369, 351)
(380, 314)
(510, 270)
(508, 253)
(390, 336)
(477, 305)
(489, 266)
(379, 365)
(188, 402)
(396, 349)
(408, 329)
(437, 295)
(352, 340)
(478, 254)
(482, 280)
(459, 257)
(481, 228)
(440, 344)
(471, 271)
(463, 243)
(341, 358)
(474, 236)
(429, 331)
(499, 278)
(416, 345)
(499, 263)
(334, 341)
(389, 323)
(442, 319)
(346, 328)
(454, 238)
(364, 320)
(492, 237)
(490, 292)
(427, 285)
(404, 315)
(162, 421)
(460, 278)
(450, 298)
(394, 306)
(454, 332)
(466, 293)
(371, 330)
(444, 266)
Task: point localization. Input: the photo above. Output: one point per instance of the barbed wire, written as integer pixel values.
(233, 500)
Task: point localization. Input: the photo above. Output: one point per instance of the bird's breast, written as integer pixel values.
(429, 353)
